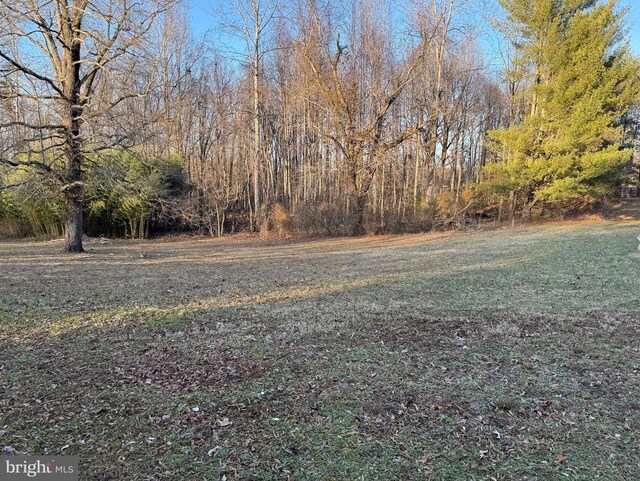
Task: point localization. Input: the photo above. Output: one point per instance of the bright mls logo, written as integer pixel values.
(49, 468)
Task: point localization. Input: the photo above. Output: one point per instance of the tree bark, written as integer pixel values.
(73, 226)
(71, 86)
(358, 226)
(72, 191)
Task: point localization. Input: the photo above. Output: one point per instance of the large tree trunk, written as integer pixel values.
(73, 226)
(358, 226)
(73, 189)
(73, 199)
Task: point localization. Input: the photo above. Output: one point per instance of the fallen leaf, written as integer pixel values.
(224, 422)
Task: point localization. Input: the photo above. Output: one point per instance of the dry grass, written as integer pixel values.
(509, 355)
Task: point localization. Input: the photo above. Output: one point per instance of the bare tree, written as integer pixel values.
(252, 22)
(58, 49)
(359, 83)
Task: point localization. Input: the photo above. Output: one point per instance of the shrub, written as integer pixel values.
(32, 208)
(274, 221)
(126, 193)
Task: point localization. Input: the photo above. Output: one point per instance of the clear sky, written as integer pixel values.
(634, 20)
(202, 19)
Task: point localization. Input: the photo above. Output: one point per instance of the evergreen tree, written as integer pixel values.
(568, 146)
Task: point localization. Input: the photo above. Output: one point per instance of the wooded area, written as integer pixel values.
(329, 117)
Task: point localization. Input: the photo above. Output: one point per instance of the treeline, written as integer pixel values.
(330, 117)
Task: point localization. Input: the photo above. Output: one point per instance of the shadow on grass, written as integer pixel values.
(415, 374)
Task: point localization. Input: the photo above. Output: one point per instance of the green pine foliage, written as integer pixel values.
(569, 146)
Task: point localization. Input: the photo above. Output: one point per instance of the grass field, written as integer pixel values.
(502, 355)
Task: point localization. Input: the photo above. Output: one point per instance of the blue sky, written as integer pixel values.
(202, 19)
(634, 19)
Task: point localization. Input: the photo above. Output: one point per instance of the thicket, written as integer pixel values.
(125, 196)
(129, 196)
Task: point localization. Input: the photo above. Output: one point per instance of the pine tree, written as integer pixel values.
(582, 81)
